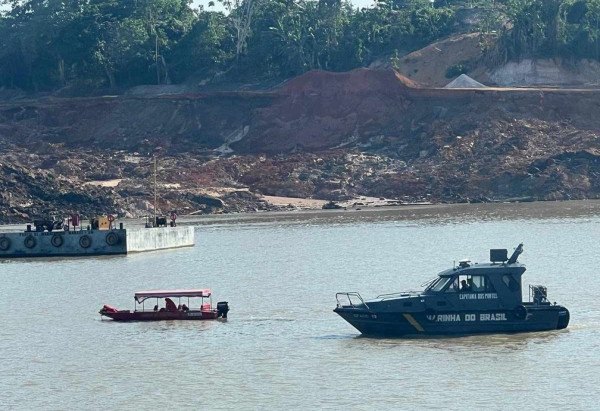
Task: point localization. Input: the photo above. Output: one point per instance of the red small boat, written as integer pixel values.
(169, 311)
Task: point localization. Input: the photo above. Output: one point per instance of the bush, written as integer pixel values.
(457, 69)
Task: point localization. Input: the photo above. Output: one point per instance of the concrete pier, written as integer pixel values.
(93, 242)
(148, 239)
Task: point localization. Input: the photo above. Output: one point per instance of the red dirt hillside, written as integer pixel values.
(323, 109)
(356, 81)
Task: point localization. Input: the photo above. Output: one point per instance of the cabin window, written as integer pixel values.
(454, 287)
(440, 284)
(481, 284)
(472, 284)
(510, 282)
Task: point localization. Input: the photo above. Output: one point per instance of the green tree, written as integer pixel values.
(166, 22)
(241, 13)
(205, 50)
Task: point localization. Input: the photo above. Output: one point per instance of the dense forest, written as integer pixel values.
(91, 44)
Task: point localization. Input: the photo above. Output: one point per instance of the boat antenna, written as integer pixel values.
(513, 258)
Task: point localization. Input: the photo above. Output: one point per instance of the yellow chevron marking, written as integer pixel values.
(413, 322)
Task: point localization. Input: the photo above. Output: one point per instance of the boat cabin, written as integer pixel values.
(205, 304)
(491, 285)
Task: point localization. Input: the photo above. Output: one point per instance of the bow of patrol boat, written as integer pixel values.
(378, 317)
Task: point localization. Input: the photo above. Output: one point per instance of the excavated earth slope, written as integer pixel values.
(323, 135)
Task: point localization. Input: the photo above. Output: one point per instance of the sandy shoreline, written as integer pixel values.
(306, 203)
(316, 204)
(451, 213)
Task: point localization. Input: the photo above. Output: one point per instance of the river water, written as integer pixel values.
(282, 346)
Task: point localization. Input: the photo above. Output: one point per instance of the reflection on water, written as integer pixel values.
(470, 343)
(282, 346)
(260, 320)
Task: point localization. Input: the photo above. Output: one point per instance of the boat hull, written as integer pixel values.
(127, 315)
(400, 324)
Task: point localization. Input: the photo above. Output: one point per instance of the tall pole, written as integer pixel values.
(155, 195)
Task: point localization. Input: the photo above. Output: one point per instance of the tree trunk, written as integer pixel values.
(166, 69)
(156, 56)
(111, 77)
(61, 71)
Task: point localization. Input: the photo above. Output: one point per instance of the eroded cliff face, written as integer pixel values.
(324, 135)
(129, 123)
(555, 72)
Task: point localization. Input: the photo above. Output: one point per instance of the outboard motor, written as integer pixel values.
(222, 309)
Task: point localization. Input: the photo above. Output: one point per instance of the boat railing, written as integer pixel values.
(538, 294)
(396, 295)
(348, 296)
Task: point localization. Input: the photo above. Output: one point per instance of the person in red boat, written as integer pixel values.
(170, 305)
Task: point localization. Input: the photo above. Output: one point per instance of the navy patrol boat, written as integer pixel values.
(467, 299)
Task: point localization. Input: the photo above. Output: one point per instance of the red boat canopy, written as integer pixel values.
(144, 295)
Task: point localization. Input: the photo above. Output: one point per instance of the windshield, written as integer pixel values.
(439, 284)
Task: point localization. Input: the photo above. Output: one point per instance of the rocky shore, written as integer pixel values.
(322, 136)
